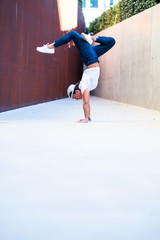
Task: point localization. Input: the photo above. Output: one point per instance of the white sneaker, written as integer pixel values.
(87, 38)
(45, 49)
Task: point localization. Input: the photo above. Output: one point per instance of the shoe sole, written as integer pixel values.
(39, 50)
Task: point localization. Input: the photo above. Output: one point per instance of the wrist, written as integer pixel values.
(94, 38)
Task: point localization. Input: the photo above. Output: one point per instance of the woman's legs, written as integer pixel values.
(106, 43)
(87, 54)
(76, 37)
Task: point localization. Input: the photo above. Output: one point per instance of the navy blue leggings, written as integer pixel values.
(88, 54)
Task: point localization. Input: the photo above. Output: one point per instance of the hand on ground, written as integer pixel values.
(83, 121)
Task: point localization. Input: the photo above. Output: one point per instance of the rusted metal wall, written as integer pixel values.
(26, 76)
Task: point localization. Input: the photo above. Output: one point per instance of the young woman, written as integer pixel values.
(89, 56)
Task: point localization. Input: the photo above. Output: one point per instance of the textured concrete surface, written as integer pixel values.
(130, 71)
(62, 180)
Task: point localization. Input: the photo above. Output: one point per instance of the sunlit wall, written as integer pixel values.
(68, 14)
(130, 71)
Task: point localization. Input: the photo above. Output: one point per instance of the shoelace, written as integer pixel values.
(45, 44)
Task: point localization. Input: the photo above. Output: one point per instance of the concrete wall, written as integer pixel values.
(27, 76)
(130, 71)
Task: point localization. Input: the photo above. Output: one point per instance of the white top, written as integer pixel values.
(89, 79)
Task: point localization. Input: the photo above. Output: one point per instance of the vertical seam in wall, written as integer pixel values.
(149, 103)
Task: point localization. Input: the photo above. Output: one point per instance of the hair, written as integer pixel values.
(76, 87)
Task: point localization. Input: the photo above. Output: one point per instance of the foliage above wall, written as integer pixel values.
(119, 12)
(80, 3)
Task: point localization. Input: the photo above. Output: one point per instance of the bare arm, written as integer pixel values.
(86, 106)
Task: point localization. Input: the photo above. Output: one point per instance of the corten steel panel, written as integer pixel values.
(26, 76)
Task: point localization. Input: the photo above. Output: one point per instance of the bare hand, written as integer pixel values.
(83, 121)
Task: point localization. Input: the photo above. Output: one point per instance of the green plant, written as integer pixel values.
(80, 3)
(119, 12)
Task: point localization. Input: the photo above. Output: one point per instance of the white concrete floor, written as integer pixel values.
(61, 180)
